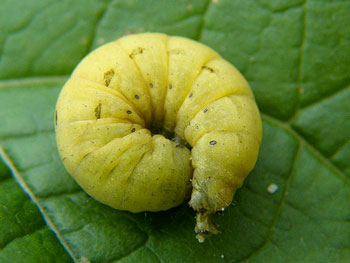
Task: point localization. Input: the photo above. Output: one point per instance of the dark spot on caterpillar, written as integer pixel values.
(205, 110)
(98, 111)
(137, 96)
(136, 51)
(212, 142)
(151, 85)
(133, 130)
(56, 118)
(170, 86)
(190, 95)
(128, 111)
(208, 68)
(108, 76)
(204, 231)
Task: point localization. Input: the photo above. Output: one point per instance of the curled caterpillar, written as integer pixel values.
(149, 120)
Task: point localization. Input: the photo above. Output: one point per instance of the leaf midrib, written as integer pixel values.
(36, 200)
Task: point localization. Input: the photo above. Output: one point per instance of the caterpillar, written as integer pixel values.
(150, 121)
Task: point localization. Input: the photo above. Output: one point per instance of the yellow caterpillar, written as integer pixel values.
(124, 92)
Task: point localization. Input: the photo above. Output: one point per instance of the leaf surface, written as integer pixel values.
(295, 55)
(24, 234)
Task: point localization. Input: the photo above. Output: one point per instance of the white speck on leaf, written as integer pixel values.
(272, 188)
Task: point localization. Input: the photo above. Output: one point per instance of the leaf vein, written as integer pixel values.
(18, 176)
(99, 20)
(279, 209)
(21, 236)
(202, 22)
(314, 150)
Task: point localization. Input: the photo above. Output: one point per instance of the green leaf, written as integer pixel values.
(296, 56)
(24, 234)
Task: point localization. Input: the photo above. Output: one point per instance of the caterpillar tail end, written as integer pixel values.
(204, 222)
(205, 226)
